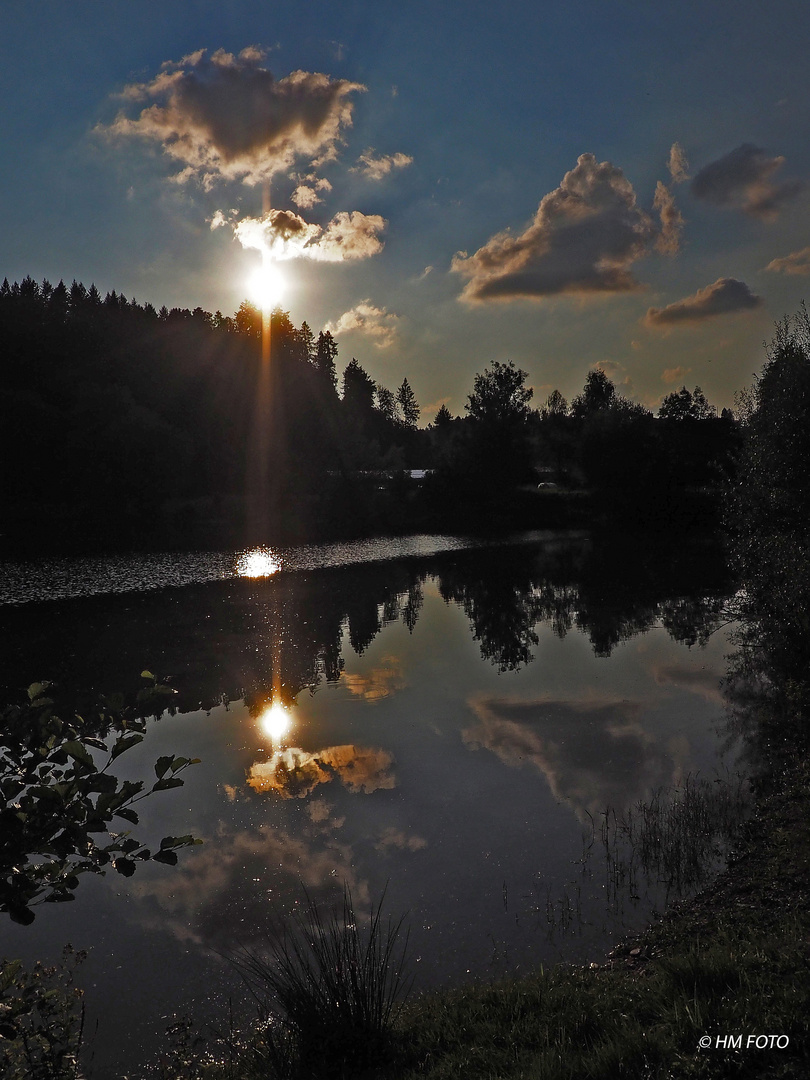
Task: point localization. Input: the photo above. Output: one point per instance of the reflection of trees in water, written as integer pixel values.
(610, 590)
(288, 631)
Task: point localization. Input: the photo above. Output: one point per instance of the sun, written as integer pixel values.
(266, 286)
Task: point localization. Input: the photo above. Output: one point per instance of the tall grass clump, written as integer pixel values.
(327, 988)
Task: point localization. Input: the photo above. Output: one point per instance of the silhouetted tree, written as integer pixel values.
(409, 408)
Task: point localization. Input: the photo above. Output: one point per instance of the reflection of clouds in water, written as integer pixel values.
(705, 682)
(319, 811)
(237, 882)
(593, 755)
(293, 773)
(376, 684)
(396, 838)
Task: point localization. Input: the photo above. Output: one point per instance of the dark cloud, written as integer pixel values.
(724, 297)
(742, 180)
(592, 754)
(227, 116)
(584, 237)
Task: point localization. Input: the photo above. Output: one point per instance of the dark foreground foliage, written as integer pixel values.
(60, 798)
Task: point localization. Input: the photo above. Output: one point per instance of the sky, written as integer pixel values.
(441, 184)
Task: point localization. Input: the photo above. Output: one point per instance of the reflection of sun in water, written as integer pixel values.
(260, 562)
(275, 722)
(266, 286)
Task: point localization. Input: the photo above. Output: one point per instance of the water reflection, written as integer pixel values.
(446, 722)
(257, 563)
(275, 721)
(293, 773)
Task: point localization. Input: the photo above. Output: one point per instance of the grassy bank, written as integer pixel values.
(733, 961)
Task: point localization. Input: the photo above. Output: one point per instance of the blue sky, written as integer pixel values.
(530, 138)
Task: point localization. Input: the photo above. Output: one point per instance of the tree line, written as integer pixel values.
(118, 420)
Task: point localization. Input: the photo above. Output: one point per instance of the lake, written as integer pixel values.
(482, 730)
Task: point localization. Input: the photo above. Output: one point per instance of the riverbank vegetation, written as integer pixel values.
(731, 964)
(140, 428)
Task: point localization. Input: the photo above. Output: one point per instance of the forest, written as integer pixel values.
(125, 426)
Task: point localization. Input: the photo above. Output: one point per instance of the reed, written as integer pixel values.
(328, 986)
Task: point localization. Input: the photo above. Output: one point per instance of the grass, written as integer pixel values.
(733, 961)
(327, 989)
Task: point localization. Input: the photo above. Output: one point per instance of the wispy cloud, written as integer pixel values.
(798, 263)
(366, 318)
(674, 374)
(677, 164)
(725, 297)
(669, 239)
(584, 238)
(375, 168)
(226, 116)
(742, 180)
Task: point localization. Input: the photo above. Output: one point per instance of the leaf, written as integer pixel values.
(128, 814)
(79, 753)
(22, 915)
(34, 691)
(162, 765)
(162, 785)
(164, 856)
(124, 866)
(147, 674)
(124, 742)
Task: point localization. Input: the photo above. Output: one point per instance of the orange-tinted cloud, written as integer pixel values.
(725, 297)
(674, 374)
(742, 180)
(677, 164)
(227, 117)
(366, 318)
(584, 238)
(293, 773)
(669, 239)
(798, 262)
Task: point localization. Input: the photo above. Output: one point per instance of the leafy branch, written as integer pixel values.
(59, 801)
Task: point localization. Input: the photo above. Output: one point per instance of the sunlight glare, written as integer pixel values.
(266, 285)
(275, 722)
(257, 563)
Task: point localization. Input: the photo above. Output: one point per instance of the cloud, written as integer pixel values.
(593, 754)
(231, 887)
(226, 117)
(366, 318)
(798, 262)
(724, 297)
(742, 180)
(283, 234)
(376, 684)
(396, 838)
(584, 238)
(674, 374)
(669, 239)
(376, 168)
(677, 164)
(293, 773)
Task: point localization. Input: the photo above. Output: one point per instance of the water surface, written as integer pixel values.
(460, 719)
